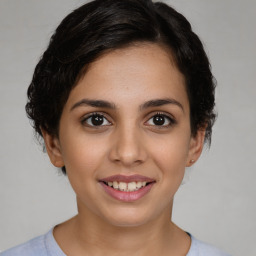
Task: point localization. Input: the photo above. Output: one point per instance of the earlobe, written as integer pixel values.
(53, 148)
(196, 147)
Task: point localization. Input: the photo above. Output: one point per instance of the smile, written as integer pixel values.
(127, 188)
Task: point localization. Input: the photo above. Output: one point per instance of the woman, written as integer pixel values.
(123, 98)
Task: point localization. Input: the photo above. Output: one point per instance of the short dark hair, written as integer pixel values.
(100, 26)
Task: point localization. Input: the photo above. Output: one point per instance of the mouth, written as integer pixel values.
(127, 188)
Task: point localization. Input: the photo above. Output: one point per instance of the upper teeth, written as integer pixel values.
(127, 187)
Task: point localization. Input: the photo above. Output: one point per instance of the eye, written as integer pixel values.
(161, 120)
(95, 119)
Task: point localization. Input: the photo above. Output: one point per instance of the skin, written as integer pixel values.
(129, 142)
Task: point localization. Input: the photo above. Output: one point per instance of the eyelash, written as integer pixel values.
(94, 114)
(171, 120)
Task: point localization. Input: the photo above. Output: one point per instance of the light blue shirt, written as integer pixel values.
(46, 245)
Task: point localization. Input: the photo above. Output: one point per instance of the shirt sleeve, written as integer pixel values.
(33, 247)
(199, 248)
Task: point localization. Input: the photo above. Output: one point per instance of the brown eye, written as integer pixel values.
(161, 120)
(158, 120)
(96, 120)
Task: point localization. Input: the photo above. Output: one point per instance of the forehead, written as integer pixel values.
(139, 72)
(140, 58)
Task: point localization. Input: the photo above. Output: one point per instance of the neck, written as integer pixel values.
(89, 233)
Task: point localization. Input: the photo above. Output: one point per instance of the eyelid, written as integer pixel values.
(170, 117)
(91, 114)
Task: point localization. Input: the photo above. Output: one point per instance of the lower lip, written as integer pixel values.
(127, 196)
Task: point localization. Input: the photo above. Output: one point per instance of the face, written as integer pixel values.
(125, 136)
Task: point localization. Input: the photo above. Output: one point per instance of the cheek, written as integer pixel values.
(82, 158)
(170, 154)
(83, 154)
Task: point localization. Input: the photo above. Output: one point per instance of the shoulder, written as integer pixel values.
(199, 248)
(33, 247)
(44, 245)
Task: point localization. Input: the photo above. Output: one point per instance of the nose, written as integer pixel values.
(128, 147)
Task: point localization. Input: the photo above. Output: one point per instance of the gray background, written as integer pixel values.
(217, 204)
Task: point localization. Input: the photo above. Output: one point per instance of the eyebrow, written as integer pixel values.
(94, 103)
(160, 102)
(110, 105)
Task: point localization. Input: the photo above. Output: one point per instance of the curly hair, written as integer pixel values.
(100, 26)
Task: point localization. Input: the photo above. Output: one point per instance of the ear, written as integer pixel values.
(195, 147)
(53, 148)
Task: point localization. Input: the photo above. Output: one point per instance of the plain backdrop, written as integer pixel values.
(216, 205)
